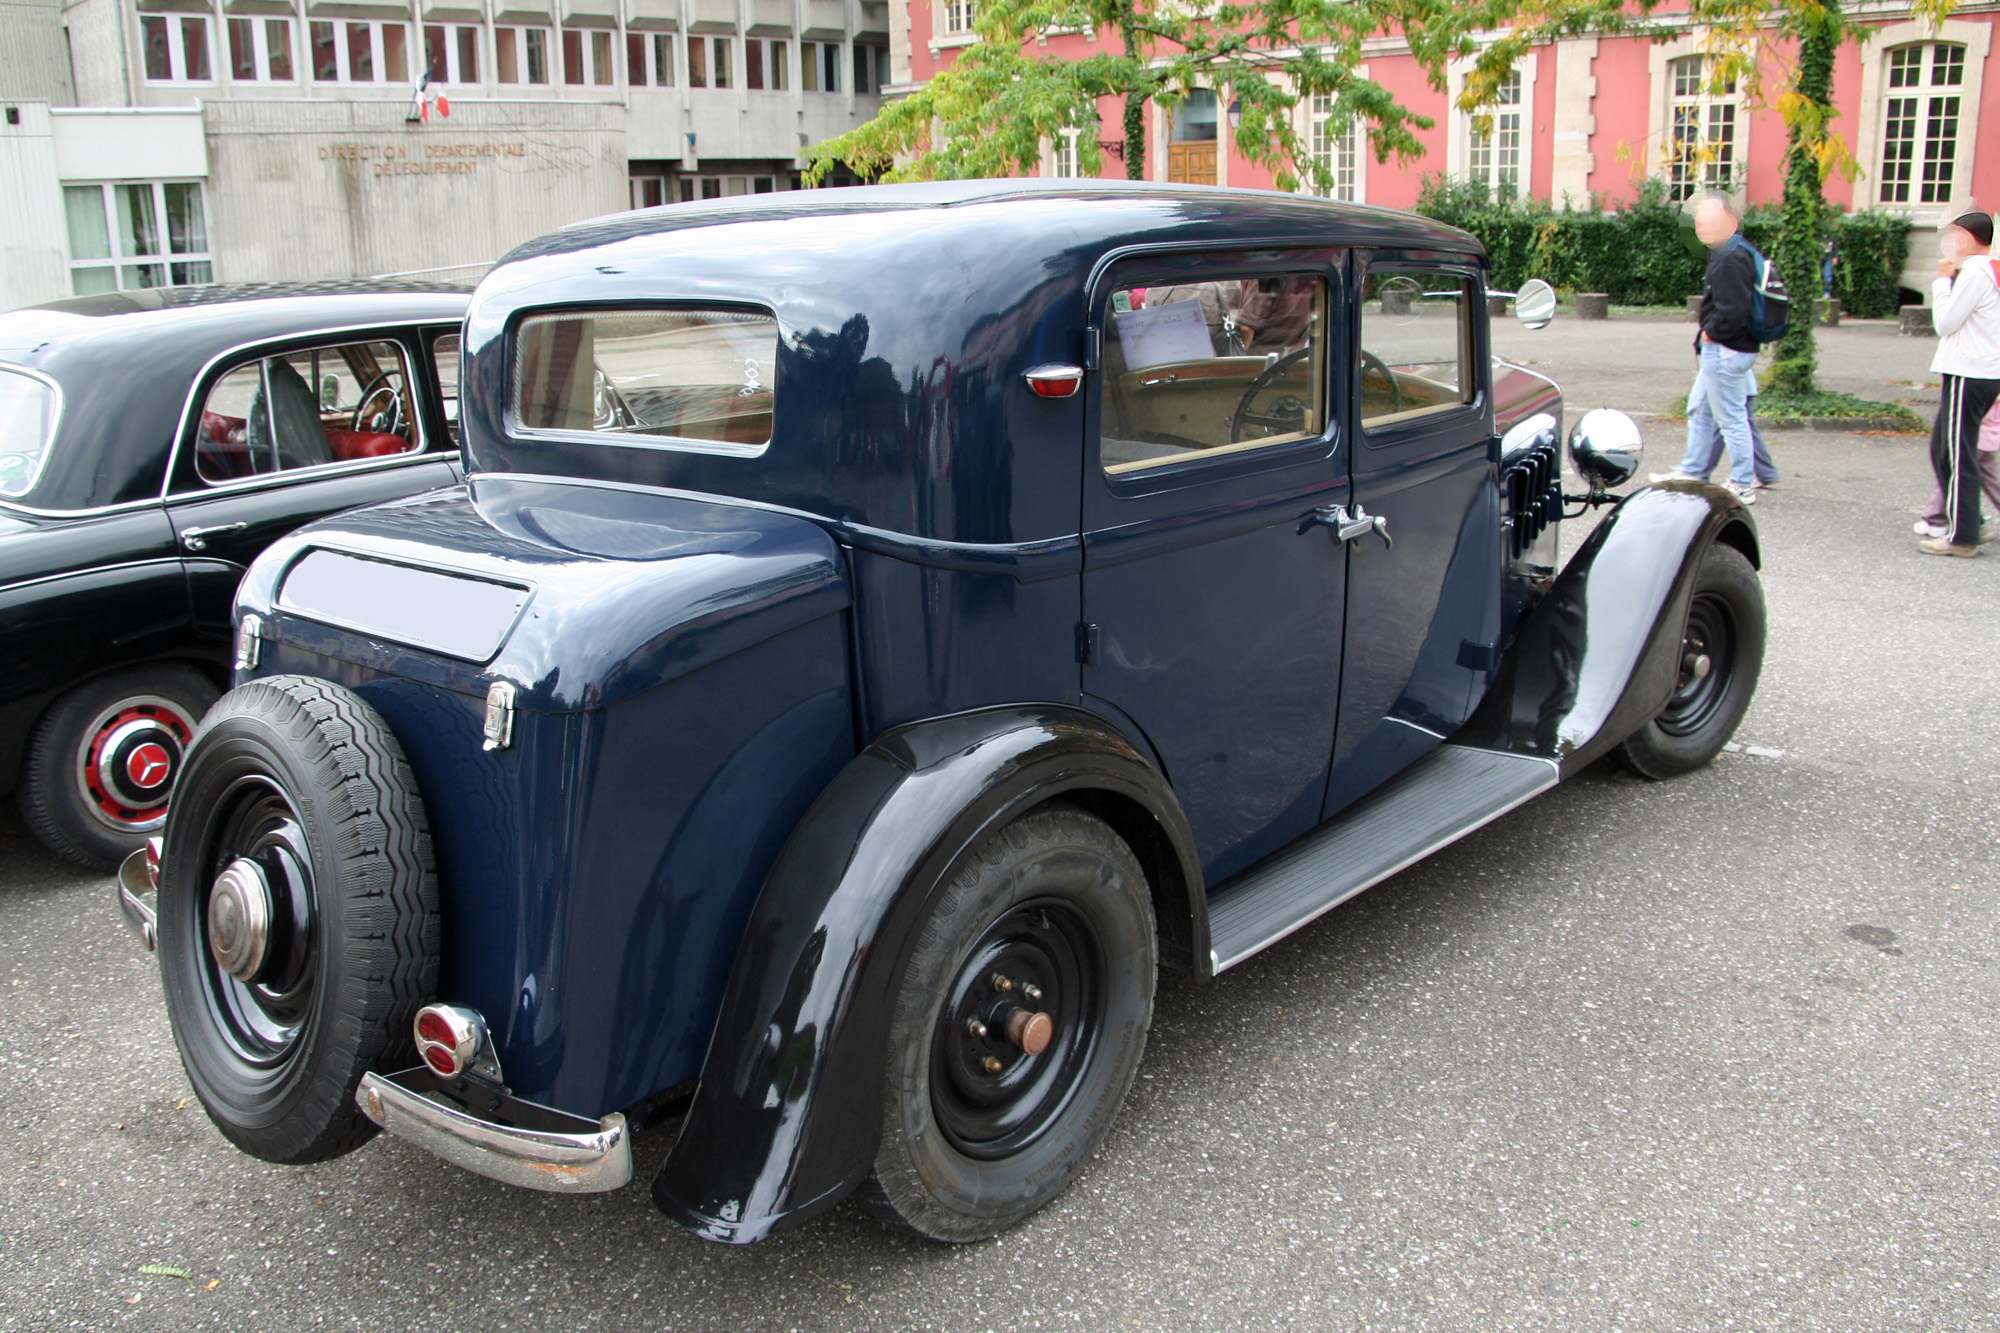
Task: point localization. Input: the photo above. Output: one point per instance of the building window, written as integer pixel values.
(959, 16)
(1701, 129)
(176, 48)
(871, 68)
(260, 50)
(117, 243)
(649, 59)
(587, 58)
(352, 51)
(649, 191)
(819, 63)
(1920, 123)
(1495, 156)
(1338, 150)
(767, 64)
(1063, 156)
(521, 55)
(451, 53)
(711, 62)
(722, 187)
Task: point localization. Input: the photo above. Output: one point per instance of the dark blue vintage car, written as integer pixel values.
(878, 629)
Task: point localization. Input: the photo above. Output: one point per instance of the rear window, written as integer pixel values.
(27, 419)
(689, 378)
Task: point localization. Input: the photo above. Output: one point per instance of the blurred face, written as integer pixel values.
(1958, 243)
(1714, 223)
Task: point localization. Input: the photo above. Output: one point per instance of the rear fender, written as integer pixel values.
(1600, 654)
(785, 1119)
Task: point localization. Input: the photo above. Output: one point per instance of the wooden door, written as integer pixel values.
(1191, 163)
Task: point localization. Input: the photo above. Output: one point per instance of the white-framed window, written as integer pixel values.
(176, 47)
(521, 55)
(650, 61)
(1495, 156)
(1063, 159)
(1701, 130)
(128, 235)
(723, 187)
(959, 16)
(1920, 123)
(587, 58)
(360, 51)
(260, 50)
(819, 66)
(711, 62)
(871, 68)
(1338, 150)
(451, 52)
(649, 189)
(767, 64)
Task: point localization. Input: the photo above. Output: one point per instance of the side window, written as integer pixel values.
(1213, 367)
(687, 377)
(444, 355)
(1416, 346)
(337, 404)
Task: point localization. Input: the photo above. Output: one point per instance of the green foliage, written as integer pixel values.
(1823, 405)
(1645, 253)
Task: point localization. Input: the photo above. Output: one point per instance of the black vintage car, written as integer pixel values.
(879, 628)
(151, 444)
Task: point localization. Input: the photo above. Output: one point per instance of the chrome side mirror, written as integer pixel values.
(1535, 304)
(1605, 448)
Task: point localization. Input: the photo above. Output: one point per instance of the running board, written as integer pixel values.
(1434, 802)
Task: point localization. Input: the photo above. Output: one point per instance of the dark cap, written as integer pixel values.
(1979, 224)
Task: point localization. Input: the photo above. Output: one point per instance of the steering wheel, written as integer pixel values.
(376, 388)
(1372, 362)
(1287, 413)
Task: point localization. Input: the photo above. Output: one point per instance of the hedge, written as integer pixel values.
(1644, 253)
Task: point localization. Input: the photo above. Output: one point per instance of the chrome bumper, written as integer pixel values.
(136, 899)
(542, 1149)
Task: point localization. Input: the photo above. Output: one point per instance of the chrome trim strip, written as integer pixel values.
(55, 417)
(533, 1159)
(1442, 841)
(137, 898)
(171, 562)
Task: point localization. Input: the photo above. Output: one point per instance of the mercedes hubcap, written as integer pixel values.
(128, 759)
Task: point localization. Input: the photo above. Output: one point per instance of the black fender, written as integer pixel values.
(785, 1118)
(1599, 655)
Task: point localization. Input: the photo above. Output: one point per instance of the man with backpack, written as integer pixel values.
(1743, 306)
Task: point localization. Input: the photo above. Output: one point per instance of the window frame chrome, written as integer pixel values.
(48, 436)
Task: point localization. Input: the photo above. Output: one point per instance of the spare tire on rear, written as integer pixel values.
(298, 914)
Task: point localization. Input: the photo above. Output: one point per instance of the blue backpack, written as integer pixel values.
(1770, 306)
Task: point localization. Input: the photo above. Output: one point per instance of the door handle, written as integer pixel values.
(196, 539)
(1348, 527)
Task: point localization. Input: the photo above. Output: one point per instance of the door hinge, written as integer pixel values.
(1086, 643)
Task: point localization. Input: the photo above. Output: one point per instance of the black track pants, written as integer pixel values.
(1954, 438)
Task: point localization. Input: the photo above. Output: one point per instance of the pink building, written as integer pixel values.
(1597, 115)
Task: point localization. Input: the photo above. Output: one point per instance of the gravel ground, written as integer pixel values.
(1711, 1054)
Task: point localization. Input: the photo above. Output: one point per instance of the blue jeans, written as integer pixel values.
(1720, 401)
(1766, 469)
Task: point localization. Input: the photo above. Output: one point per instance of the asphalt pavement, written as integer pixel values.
(1718, 1053)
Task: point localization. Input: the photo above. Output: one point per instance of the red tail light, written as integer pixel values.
(449, 1038)
(1055, 381)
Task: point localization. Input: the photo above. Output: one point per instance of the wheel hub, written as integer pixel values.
(130, 759)
(239, 919)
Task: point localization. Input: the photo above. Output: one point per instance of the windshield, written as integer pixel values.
(27, 419)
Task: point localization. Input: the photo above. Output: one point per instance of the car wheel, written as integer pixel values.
(104, 757)
(1722, 652)
(298, 915)
(1019, 1022)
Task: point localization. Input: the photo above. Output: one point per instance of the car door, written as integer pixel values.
(1423, 589)
(282, 434)
(1212, 590)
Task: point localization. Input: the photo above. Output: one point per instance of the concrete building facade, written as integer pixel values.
(168, 142)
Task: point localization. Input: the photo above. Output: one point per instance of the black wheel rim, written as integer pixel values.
(262, 1020)
(1710, 639)
(1044, 945)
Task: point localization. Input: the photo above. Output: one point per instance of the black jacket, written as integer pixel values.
(1725, 296)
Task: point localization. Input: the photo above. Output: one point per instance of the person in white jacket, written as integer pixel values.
(1965, 308)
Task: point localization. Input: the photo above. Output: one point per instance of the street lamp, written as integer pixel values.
(1235, 113)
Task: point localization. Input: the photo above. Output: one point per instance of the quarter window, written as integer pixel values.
(27, 419)
(136, 234)
(1920, 128)
(693, 378)
(1201, 369)
(306, 408)
(1416, 339)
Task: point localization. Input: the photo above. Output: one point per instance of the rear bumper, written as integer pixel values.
(525, 1144)
(136, 898)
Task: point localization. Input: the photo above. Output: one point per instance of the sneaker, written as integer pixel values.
(1939, 546)
(1923, 527)
(1747, 494)
(1767, 485)
(1675, 475)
